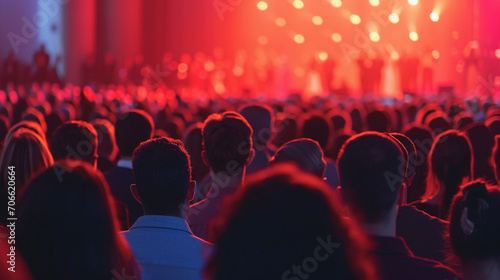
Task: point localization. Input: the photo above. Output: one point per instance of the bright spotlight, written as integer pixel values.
(336, 3)
(355, 19)
(298, 4)
(435, 54)
(413, 2)
(434, 16)
(336, 37)
(374, 3)
(317, 20)
(414, 36)
(262, 5)
(299, 38)
(323, 56)
(497, 53)
(394, 18)
(374, 36)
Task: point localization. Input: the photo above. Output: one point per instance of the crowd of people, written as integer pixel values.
(135, 183)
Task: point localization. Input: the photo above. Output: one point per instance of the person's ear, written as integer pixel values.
(251, 155)
(133, 190)
(191, 190)
(204, 158)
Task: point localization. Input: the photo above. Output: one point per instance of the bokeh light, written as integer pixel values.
(374, 3)
(355, 19)
(298, 4)
(336, 3)
(336, 37)
(374, 36)
(262, 5)
(497, 53)
(414, 36)
(323, 56)
(413, 2)
(280, 21)
(434, 16)
(317, 20)
(299, 38)
(435, 54)
(394, 18)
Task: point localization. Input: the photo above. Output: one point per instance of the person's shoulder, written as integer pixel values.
(434, 269)
(412, 212)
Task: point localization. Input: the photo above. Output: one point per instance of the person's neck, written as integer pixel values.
(223, 181)
(482, 270)
(128, 158)
(385, 227)
(180, 213)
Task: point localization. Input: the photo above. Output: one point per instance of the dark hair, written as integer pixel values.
(316, 127)
(421, 136)
(411, 151)
(450, 162)
(370, 173)
(482, 144)
(132, 128)
(193, 141)
(304, 152)
(227, 139)
(162, 172)
(4, 128)
(286, 130)
(260, 117)
(75, 140)
(107, 150)
(377, 121)
(67, 228)
(270, 215)
(475, 223)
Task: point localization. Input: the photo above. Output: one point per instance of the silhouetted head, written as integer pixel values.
(303, 152)
(272, 215)
(162, 173)
(107, 150)
(67, 226)
(450, 163)
(377, 121)
(260, 118)
(482, 143)
(475, 223)
(227, 142)
(317, 128)
(76, 140)
(193, 141)
(132, 128)
(371, 175)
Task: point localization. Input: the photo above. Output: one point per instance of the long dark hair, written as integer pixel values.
(67, 227)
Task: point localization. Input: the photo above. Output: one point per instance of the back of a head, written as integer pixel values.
(253, 232)
(377, 121)
(482, 143)
(82, 240)
(162, 172)
(409, 146)
(306, 153)
(31, 125)
(28, 153)
(227, 142)
(496, 157)
(260, 118)
(450, 162)
(493, 125)
(370, 173)
(287, 130)
(193, 141)
(475, 223)
(106, 139)
(317, 128)
(132, 128)
(75, 140)
(4, 127)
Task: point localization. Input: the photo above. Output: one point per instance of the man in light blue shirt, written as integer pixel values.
(161, 240)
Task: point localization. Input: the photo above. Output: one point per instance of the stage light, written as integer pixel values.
(298, 4)
(394, 18)
(298, 38)
(374, 36)
(317, 20)
(280, 22)
(435, 54)
(323, 56)
(336, 3)
(183, 67)
(374, 3)
(238, 71)
(336, 37)
(497, 53)
(262, 40)
(414, 36)
(413, 2)
(434, 16)
(262, 5)
(355, 19)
